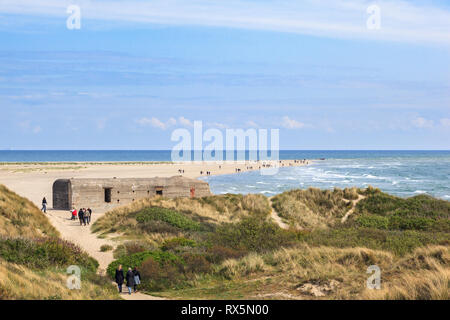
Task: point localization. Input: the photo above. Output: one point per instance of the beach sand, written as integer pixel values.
(34, 181)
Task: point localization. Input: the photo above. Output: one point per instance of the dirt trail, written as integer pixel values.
(274, 215)
(88, 241)
(350, 212)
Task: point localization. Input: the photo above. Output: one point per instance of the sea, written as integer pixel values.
(402, 173)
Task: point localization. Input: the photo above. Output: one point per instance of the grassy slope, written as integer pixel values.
(19, 217)
(238, 253)
(33, 260)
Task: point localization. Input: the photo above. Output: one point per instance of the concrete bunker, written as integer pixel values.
(109, 193)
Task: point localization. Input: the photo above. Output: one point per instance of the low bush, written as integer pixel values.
(169, 216)
(106, 247)
(136, 260)
(44, 253)
(252, 234)
(175, 243)
(217, 253)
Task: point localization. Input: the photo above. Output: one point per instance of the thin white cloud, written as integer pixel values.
(445, 122)
(157, 123)
(185, 122)
(153, 122)
(251, 123)
(292, 124)
(421, 122)
(400, 20)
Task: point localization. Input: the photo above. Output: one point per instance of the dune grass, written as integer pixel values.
(20, 217)
(227, 247)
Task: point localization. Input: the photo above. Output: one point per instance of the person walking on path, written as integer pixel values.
(90, 214)
(137, 278)
(81, 217)
(44, 205)
(130, 280)
(119, 278)
(87, 216)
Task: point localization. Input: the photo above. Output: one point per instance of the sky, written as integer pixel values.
(137, 70)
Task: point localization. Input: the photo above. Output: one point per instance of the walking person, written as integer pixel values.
(87, 216)
(81, 216)
(119, 278)
(90, 214)
(130, 280)
(44, 205)
(137, 278)
(74, 214)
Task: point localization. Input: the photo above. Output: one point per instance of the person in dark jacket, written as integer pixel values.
(137, 278)
(44, 205)
(130, 280)
(119, 278)
(81, 217)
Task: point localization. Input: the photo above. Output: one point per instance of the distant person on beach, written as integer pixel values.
(44, 205)
(74, 214)
(119, 278)
(81, 217)
(130, 280)
(137, 278)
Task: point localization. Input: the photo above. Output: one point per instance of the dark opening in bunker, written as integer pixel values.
(159, 190)
(108, 194)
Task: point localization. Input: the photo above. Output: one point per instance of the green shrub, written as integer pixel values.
(396, 241)
(169, 216)
(106, 247)
(217, 253)
(252, 235)
(174, 243)
(136, 260)
(44, 253)
(195, 263)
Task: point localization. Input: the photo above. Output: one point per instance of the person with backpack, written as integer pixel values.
(130, 280)
(119, 278)
(44, 205)
(137, 278)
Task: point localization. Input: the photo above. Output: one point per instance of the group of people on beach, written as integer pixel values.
(132, 277)
(84, 215)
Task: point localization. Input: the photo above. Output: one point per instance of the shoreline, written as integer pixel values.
(34, 180)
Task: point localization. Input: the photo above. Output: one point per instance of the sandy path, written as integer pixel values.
(274, 215)
(350, 212)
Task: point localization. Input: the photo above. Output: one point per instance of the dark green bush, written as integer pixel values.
(217, 253)
(44, 253)
(174, 243)
(252, 234)
(169, 216)
(136, 260)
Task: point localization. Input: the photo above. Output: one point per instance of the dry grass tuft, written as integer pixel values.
(21, 283)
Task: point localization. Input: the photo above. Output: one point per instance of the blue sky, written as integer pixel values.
(136, 70)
